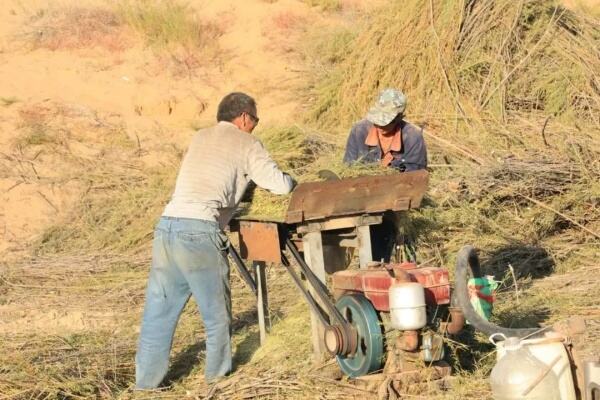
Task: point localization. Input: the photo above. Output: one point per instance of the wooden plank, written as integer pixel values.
(329, 224)
(262, 300)
(313, 255)
(340, 241)
(365, 255)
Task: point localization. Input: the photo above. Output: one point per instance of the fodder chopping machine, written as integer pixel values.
(376, 316)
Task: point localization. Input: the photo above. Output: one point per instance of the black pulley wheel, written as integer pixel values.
(368, 357)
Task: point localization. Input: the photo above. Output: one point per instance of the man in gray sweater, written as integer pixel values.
(188, 252)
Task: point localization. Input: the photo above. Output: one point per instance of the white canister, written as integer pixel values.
(549, 351)
(407, 306)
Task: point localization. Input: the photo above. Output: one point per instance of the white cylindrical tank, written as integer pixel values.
(407, 306)
(547, 351)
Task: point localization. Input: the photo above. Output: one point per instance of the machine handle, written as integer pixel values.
(241, 267)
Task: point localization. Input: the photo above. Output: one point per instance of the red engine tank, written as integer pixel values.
(374, 283)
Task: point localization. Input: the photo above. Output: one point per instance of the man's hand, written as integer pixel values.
(294, 182)
(249, 193)
(328, 175)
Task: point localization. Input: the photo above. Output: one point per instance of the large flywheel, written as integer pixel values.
(361, 315)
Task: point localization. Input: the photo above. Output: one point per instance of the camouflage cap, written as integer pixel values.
(390, 103)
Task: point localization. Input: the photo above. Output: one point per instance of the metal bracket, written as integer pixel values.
(241, 267)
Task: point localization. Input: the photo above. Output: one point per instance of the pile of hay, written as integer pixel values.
(483, 60)
(509, 96)
(510, 100)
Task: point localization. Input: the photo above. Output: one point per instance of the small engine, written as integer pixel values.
(401, 307)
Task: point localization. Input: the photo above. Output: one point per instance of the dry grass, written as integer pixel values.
(119, 198)
(76, 28)
(326, 5)
(481, 62)
(510, 99)
(183, 41)
(8, 101)
(166, 23)
(484, 77)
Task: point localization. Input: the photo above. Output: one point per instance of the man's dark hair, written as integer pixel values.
(233, 105)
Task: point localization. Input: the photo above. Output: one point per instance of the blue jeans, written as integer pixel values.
(188, 258)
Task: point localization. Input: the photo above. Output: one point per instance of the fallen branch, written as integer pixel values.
(547, 207)
(464, 152)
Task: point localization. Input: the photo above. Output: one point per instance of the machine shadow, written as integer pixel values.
(188, 359)
(527, 260)
(246, 349)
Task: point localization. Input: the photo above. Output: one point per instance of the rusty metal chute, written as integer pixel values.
(363, 195)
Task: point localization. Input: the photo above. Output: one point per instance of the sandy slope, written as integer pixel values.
(154, 99)
(159, 101)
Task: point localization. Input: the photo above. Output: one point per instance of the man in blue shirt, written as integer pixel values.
(384, 137)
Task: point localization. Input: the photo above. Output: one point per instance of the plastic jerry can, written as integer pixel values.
(520, 374)
(591, 374)
(542, 356)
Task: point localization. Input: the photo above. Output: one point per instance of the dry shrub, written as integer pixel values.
(325, 5)
(76, 28)
(120, 197)
(60, 123)
(285, 21)
(168, 22)
(183, 40)
(167, 25)
(285, 30)
(512, 99)
(480, 60)
(511, 96)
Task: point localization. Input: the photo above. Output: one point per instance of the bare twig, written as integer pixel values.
(48, 200)
(512, 272)
(14, 186)
(544, 130)
(547, 207)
